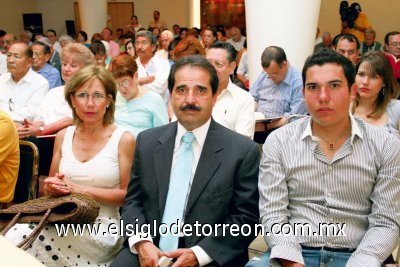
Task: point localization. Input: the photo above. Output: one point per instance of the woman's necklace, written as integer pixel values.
(332, 144)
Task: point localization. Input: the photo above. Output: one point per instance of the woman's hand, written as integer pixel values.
(56, 185)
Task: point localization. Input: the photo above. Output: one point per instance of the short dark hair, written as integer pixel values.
(349, 37)
(327, 56)
(46, 48)
(84, 34)
(97, 47)
(53, 31)
(390, 34)
(196, 61)
(226, 46)
(273, 53)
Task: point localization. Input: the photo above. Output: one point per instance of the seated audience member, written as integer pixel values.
(92, 157)
(166, 38)
(329, 169)
(152, 71)
(369, 43)
(204, 174)
(348, 46)
(242, 71)
(54, 60)
(40, 57)
(277, 91)
(392, 48)
(237, 39)
(82, 37)
(130, 48)
(21, 89)
(3, 63)
(9, 158)
(26, 37)
(99, 51)
(64, 40)
(221, 35)
(107, 36)
(377, 91)
(208, 36)
(135, 24)
(55, 114)
(52, 36)
(137, 108)
(234, 107)
(326, 42)
(189, 46)
(175, 30)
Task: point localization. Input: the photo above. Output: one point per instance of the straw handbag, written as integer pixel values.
(72, 208)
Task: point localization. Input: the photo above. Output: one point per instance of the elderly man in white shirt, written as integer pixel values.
(21, 89)
(153, 71)
(234, 107)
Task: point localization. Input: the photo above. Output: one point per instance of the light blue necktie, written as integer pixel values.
(177, 191)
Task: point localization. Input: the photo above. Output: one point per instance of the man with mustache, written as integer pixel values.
(21, 89)
(192, 171)
(152, 70)
(329, 169)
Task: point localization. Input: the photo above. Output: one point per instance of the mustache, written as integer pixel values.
(189, 107)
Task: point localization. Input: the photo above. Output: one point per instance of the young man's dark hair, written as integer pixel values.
(327, 56)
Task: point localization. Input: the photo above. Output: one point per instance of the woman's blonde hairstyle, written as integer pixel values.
(88, 75)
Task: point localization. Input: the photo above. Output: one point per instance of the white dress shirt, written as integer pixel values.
(3, 63)
(22, 99)
(234, 109)
(54, 106)
(200, 135)
(159, 68)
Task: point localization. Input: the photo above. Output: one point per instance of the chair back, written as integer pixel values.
(27, 183)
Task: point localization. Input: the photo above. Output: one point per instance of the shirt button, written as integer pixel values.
(330, 168)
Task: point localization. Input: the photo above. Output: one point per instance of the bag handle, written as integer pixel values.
(24, 244)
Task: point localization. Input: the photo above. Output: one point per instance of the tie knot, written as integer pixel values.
(188, 138)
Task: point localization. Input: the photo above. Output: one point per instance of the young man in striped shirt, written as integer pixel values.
(330, 175)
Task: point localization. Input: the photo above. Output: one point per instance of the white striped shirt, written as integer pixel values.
(360, 187)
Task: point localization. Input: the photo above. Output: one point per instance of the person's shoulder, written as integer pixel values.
(232, 138)
(376, 135)
(36, 79)
(239, 92)
(154, 98)
(156, 132)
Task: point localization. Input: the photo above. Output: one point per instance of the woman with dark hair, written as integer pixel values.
(93, 157)
(81, 37)
(130, 48)
(137, 108)
(377, 91)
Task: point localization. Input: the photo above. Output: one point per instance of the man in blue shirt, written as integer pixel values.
(41, 54)
(277, 91)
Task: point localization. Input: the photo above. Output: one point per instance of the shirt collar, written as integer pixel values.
(200, 133)
(355, 130)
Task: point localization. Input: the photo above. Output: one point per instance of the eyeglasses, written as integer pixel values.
(84, 97)
(218, 64)
(36, 54)
(142, 43)
(10, 105)
(395, 44)
(125, 83)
